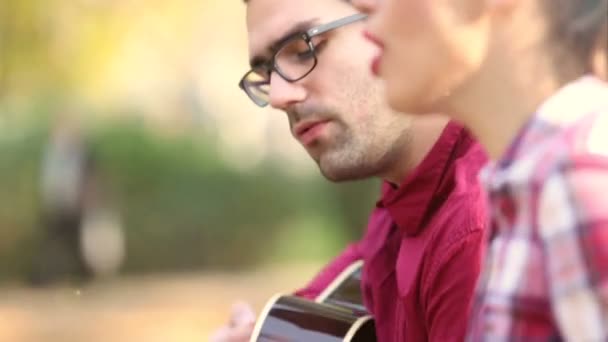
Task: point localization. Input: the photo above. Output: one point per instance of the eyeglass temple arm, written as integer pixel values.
(333, 25)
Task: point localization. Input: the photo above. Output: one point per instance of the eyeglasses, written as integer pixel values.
(293, 60)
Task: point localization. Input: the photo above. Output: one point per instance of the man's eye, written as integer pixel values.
(318, 45)
(296, 47)
(305, 55)
(299, 50)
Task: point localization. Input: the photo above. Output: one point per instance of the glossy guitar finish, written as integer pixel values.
(338, 314)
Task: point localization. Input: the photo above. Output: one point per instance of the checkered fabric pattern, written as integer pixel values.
(546, 272)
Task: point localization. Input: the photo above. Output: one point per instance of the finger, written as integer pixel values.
(242, 313)
(241, 333)
(221, 335)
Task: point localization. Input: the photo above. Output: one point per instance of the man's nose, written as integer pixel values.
(283, 93)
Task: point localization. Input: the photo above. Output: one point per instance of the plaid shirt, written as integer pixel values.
(546, 273)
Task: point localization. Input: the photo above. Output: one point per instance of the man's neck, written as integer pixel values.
(425, 131)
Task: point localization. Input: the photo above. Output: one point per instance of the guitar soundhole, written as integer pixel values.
(366, 333)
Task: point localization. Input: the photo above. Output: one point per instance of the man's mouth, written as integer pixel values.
(309, 131)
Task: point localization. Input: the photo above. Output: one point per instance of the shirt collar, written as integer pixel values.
(409, 204)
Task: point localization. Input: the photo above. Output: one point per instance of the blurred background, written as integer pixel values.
(141, 192)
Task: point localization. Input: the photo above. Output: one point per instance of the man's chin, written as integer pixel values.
(342, 173)
(343, 176)
(316, 152)
(333, 177)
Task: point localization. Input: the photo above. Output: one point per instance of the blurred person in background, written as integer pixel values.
(82, 232)
(520, 75)
(65, 176)
(423, 246)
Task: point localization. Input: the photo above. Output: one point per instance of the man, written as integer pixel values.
(512, 71)
(423, 246)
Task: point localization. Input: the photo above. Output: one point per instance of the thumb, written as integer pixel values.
(242, 313)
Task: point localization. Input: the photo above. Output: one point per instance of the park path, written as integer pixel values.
(165, 307)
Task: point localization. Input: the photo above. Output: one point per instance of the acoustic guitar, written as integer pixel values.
(337, 314)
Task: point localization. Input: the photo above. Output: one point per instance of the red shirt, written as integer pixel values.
(423, 247)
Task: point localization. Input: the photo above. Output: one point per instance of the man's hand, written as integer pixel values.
(239, 327)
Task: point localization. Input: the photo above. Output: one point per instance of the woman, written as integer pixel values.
(516, 73)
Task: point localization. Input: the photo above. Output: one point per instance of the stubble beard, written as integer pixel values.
(350, 158)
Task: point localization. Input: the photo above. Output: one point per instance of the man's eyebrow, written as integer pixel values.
(296, 29)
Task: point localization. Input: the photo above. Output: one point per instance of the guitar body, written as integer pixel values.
(338, 314)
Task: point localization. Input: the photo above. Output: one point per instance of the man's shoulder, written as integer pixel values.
(460, 209)
(454, 236)
(464, 214)
(464, 207)
(460, 217)
(460, 199)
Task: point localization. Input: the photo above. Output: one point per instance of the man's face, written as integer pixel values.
(337, 111)
(430, 48)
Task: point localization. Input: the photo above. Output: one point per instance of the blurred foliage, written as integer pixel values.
(182, 207)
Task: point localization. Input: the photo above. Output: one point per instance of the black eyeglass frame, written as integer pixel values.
(307, 36)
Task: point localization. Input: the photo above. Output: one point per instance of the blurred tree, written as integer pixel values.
(4, 34)
(183, 206)
(24, 51)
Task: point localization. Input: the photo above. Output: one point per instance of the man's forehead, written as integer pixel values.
(269, 20)
(269, 27)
